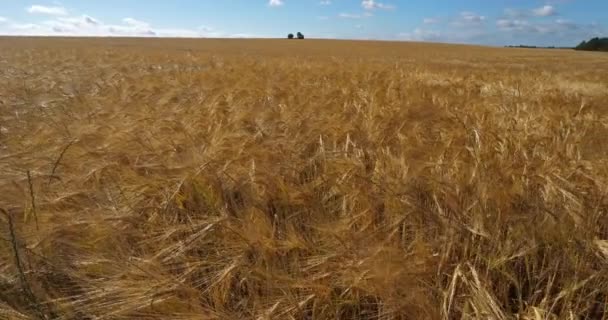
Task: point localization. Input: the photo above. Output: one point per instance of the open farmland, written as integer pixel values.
(316, 179)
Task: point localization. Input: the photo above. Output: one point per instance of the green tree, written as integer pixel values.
(594, 44)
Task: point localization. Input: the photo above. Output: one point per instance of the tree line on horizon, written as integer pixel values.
(594, 44)
(536, 47)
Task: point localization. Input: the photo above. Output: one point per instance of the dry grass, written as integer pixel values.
(267, 179)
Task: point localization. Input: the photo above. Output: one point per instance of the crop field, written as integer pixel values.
(287, 179)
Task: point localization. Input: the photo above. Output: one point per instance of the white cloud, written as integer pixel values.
(206, 29)
(136, 23)
(3, 19)
(52, 11)
(325, 2)
(81, 21)
(355, 15)
(88, 26)
(512, 25)
(472, 17)
(557, 27)
(469, 19)
(350, 16)
(545, 11)
(567, 24)
(447, 36)
(372, 5)
(420, 34)
(89, 20)
(25, 27)
(276, 3)
(430, 21)
(71, 24)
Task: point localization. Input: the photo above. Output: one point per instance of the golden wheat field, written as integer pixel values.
(316, 179)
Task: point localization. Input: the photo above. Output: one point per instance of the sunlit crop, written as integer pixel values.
(276, 179)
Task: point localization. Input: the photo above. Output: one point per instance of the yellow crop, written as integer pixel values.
(316, 179)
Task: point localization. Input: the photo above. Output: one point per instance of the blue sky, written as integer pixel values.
(491, 22)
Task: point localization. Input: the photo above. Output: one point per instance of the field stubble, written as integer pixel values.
(266, 179)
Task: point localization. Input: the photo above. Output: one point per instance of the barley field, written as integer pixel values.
(316, 179)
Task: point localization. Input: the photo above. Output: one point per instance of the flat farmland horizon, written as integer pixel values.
(147, 178)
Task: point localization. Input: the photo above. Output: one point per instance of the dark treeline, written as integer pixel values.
(537, 47)
(595, 44)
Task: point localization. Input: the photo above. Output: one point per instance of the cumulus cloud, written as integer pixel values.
(276, 3)
(544, 11)
(559, 27)
(86, 25)
(372, 5)
(46, 10)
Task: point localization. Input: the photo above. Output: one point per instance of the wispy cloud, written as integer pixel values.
(52, 11)
(86, 25)
(276, 3)
(558, 26)
(325, 2)
(355, 15)
(545, 11)
(512, 25)
(515, 13)
(567, 24)
(468, 19)
(420, 34)
(136, 23)
(372, 5)
(350, 15)
(430, 21)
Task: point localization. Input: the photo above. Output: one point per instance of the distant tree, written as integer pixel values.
(594, 44)
(300, 35)
(290, 36)
(581, 45)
